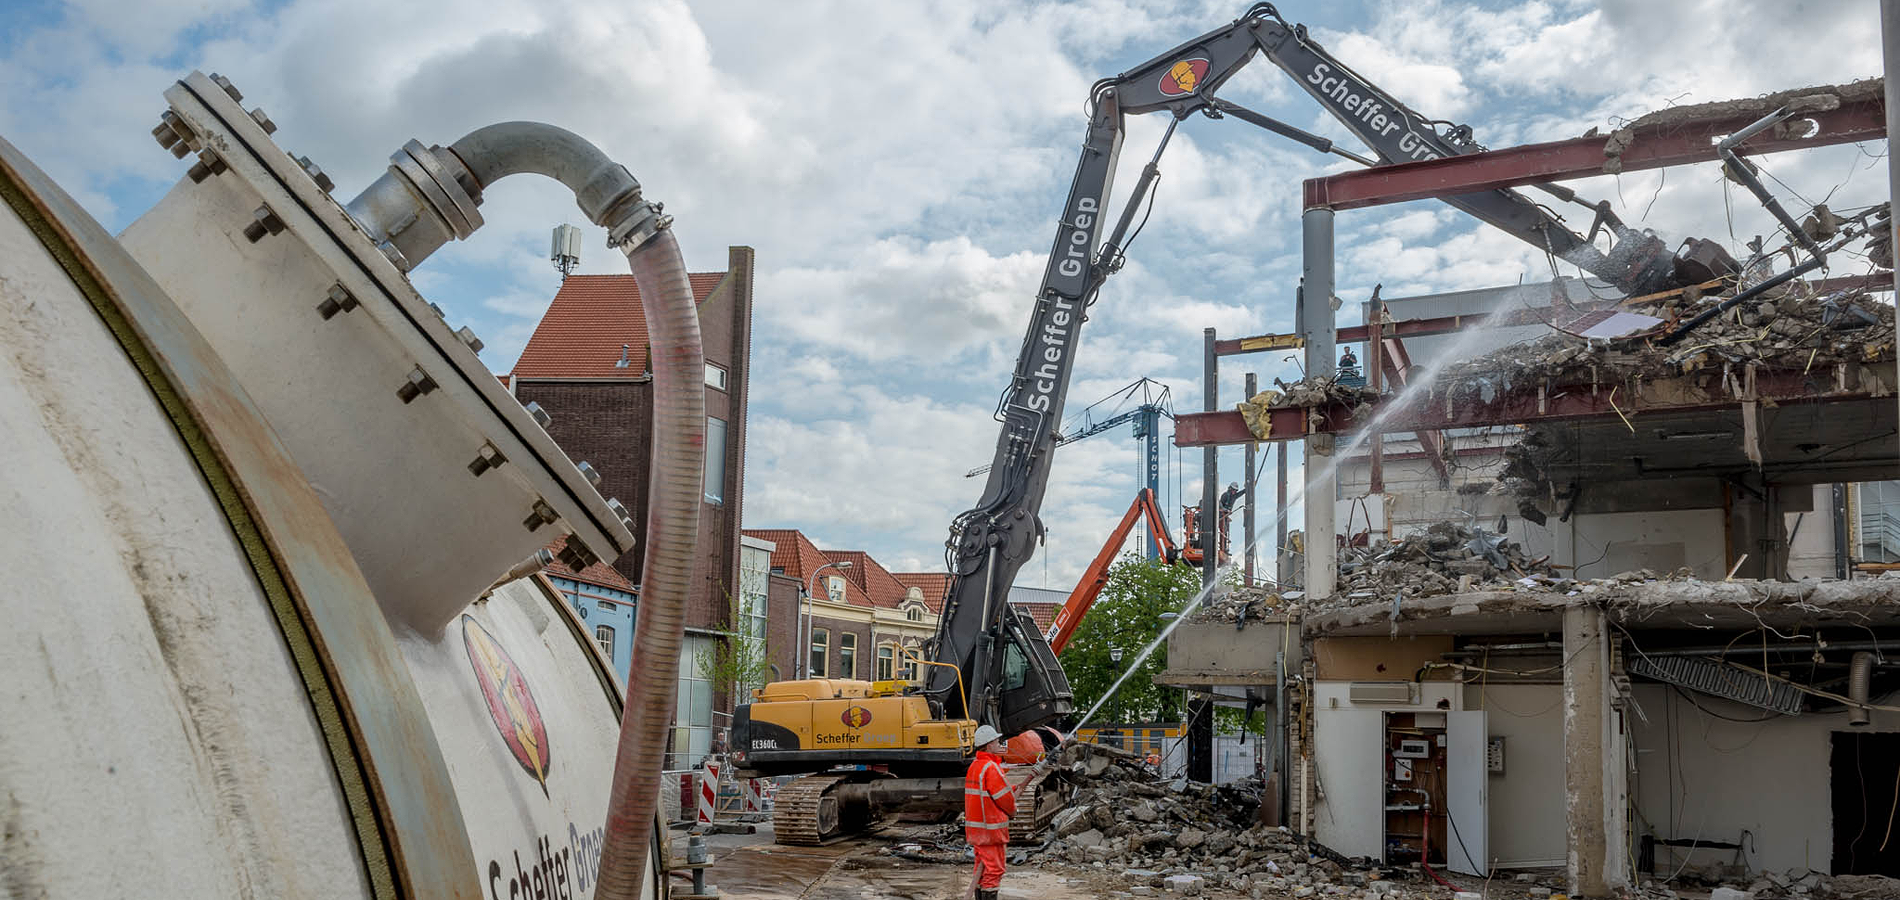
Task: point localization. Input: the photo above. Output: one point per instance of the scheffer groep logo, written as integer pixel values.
(510, 702)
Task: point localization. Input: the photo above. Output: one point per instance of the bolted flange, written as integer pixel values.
(338, 300)
(263, 222)
(417, 384)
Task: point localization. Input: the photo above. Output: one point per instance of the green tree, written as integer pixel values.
(740, 660)
(1127, 616)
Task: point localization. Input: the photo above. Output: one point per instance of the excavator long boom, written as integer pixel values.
(993, 651)
(1095, 577)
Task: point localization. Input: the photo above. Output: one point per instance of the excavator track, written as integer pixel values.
(803, 816)
(1037, 803)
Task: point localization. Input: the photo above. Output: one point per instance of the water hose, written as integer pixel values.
(679, 452)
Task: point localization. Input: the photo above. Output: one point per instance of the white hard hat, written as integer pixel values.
(986, 734)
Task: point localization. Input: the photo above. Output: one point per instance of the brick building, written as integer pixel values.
(588, 365)
(863, 617)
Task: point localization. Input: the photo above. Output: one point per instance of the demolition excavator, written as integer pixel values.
(870, 748)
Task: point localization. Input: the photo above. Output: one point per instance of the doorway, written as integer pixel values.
(1864, 774)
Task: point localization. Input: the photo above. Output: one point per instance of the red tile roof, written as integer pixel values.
(1043, 613)
(867, 582)
(934, 585)
(587, 323)
(599, 573)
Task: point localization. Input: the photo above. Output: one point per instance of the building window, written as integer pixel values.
(834, 588)
(609, 607)
(914, 614)
(820, 641)
(692, 717)
(715, 460)
(847, 655)
(604, 636)
(715, 377)
(910, 664)
(886, 660)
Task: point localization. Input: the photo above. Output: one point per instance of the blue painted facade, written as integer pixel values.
(608, 614)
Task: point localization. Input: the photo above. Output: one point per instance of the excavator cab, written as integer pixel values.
(1031, 688)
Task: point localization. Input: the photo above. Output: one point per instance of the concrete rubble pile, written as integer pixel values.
(1791, 327)
(1445, 558)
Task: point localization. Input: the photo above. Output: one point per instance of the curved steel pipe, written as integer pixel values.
(676, 487)
(428, 196)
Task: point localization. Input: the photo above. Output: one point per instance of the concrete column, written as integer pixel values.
(1316, 316)
(1595, 783)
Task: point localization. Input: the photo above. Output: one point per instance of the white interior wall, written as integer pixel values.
(1527, 801)
(1701, 776)
(1349, 756)
(1811, 545)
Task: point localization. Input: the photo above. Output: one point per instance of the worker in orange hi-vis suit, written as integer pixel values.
(987, 806)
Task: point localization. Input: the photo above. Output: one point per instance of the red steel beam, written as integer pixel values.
(1653, 147)
(1520, 406)
(1408, 328)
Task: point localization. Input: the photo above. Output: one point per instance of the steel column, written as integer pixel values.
(1890, 58)
(1246, 514)
(1210, 469)
(1316, 310)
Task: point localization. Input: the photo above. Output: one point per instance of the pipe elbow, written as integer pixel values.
(607, 193)
(429, 195)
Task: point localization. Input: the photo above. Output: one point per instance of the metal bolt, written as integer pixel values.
(417, 384)
(589, 472)
(468, 337)
(263, 121)
(263, 222)
(316, 174)
(338, 300)
(486, 458)
(540, 415)
(173, 134)
(225, 83)
(576, 555)
(209, 163)
(619, 510)
(538, 515)
(438, 311)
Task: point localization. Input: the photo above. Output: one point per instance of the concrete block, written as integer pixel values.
(1183, 884)
(1539, 893)
(1467, 895)
(1726, 893)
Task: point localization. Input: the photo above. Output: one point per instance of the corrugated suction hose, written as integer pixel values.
(675, 488)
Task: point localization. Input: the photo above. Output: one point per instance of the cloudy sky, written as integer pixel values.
(898, 168)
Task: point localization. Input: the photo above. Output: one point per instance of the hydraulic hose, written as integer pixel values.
(679, 451)
(601, 186)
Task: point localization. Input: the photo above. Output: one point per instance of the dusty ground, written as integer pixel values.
(751, 867)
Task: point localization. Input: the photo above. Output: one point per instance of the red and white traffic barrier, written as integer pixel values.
(752, 801)
(708, 792)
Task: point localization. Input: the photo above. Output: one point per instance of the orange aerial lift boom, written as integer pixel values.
(1096, 576)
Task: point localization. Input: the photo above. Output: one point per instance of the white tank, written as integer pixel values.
(249, 647)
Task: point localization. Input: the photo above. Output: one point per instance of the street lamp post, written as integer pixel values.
(811, 587)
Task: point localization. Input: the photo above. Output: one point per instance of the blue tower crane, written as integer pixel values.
(1151, 401)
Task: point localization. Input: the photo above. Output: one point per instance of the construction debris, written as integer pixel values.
(1307, 393)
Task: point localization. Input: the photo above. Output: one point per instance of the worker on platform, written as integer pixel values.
(987, 806)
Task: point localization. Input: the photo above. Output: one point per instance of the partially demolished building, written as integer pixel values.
(1585, 603)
